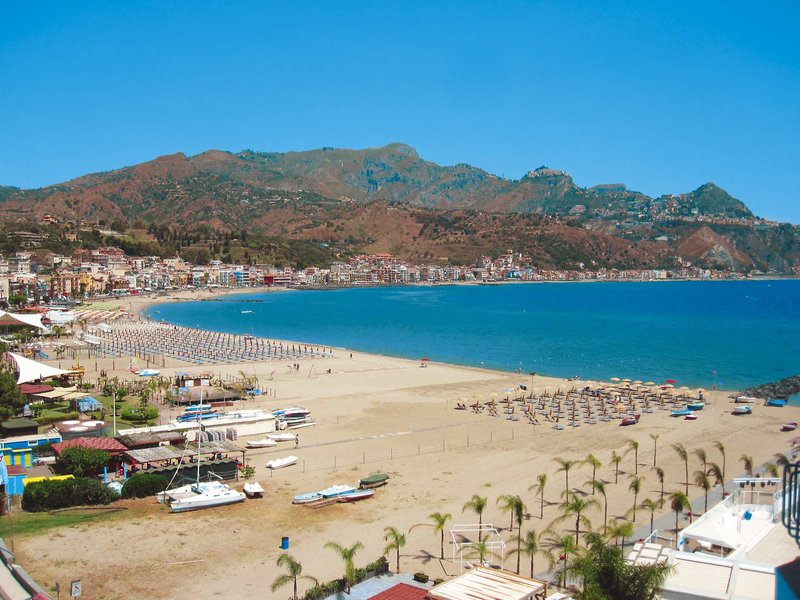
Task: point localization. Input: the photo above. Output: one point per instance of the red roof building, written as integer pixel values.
(110, 445)
(402, 591)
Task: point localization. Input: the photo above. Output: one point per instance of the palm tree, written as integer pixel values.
(529, 546)
(616, 459)
(599, 486)
(514, 505)
(476, 504)
(701, 454)
(619, 530)
(715, 471)
(479, 549)
(772, 469)
(295, 573)
(634, 445)
(635, 487)
(718, 445)
(439, 521)
(566, 465)
(650, 506)
(702, 481)
(654, 437)
(679, 502)
(564, 546)
(660, 474)
(396, 540)
(747, 463)
(576, 507)
(347, 555)
(596, 464)
(541, 483)
(782, 460)
(681, 451)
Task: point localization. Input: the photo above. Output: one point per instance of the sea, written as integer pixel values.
(724, 334)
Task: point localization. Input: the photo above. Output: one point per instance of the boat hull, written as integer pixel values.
(356, 496)
(282, 463)
(742, 410)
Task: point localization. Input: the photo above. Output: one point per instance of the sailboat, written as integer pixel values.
(200, 494)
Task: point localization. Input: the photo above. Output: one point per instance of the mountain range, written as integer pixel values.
(389, 199)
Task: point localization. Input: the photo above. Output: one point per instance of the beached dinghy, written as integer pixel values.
(265, 443)
(690, 417)
(373, 481)
(356, 495)
(780, 402)
(282, 437)
(743, 410)
(696, 405)
(280, 463)
(789, 426)
(745, 400)
(253, 490)
(680, 412)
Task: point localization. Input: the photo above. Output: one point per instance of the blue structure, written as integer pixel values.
(89, 404)
(19, 450)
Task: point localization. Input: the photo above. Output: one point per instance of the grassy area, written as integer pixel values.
(36, 523)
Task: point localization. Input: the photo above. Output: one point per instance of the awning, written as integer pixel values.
(12, 319)
(30, 370)
(52, 395)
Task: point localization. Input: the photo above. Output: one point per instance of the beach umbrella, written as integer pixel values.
(626, 380)
(649, 382)
(425, 359)
(615, 379)
(637, 382)
(670, 381)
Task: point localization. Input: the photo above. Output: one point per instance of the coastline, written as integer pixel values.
(377, 413)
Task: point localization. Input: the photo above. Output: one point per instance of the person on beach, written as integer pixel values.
(296, 441)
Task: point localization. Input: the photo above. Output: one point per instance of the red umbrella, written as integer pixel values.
(425, 359)
(670, 381)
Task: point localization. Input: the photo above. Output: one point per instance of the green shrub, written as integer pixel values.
(146, 413)
(142, 485)
(48, 419)
(421, 577)
(324, 590)
(52, 494)
(80, 461)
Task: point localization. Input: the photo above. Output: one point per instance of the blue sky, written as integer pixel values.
(663, 96)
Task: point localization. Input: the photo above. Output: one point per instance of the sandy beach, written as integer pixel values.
(376, 413)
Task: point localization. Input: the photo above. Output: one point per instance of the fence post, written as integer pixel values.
(467, 441)
(391, 453)
(334, 461)
(363, 458)
(491, 436)
(442, 445)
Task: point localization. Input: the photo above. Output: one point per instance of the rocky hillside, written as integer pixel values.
(338, 194)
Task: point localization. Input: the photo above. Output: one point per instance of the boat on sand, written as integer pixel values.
(282, 437)
(780, 402)
(356, 495)
(373, 481)
(265, 443)
(743, 410)
(280, 463)
(253, 490)
(791, 426)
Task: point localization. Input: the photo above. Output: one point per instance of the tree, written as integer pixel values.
(619, 530)
(529, 546)
(576, 507)
(563, 546)
(566, 465)
(782, 460)
(747, 464)
(715, 471)
(634, 445)
(439, 521)
(83, 462)
(347, 555)
(596, 464)
(772, 469)
(479, 549)
(541, 483)
(718, 445)
(599, 486)
(11, 399)
(660, 474)
(635, 487)
(684, 456)
(616, 459)
(678, 502)
(606, 574)
(476, 504)
(702, 481)
(650, 506)
(654, 437)
(396, 540)
(701, 454)
(513, 505)
(295, 572)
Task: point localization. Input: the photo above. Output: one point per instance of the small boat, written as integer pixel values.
(690, 417)
(629, 421)
(789, 426)
(356, 495)
(776, 402)
(696, 405)
(247, 312)
(336, 490)
(373, 481)
(745, 400)
(253, 490)
(306, 498)
(282, 437)
(680, 412)
(280, 463)
(148, 372)
(743, 410)
(265, 443)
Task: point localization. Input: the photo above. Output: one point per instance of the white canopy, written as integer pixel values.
(7, 318)
(30, 370)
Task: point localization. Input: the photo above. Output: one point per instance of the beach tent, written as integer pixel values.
(12, 319)
(30, 370)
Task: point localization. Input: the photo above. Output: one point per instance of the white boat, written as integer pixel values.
(282, 437)
(280, 463)
(253, 490)
(336, 490)
(201, 494)
(265, 443)
(742, 410)
(746, 400)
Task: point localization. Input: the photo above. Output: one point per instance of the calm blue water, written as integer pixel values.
(746, 332)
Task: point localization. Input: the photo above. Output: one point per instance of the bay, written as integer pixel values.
(732, 334)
